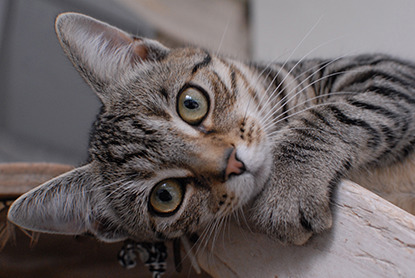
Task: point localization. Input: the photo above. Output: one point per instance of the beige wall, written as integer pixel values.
(355, 25)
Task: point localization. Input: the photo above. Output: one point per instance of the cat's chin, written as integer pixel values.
(249, 184)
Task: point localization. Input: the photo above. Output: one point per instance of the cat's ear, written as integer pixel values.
(103, 54)
(62, 205)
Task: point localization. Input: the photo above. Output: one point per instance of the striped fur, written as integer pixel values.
(296, 127)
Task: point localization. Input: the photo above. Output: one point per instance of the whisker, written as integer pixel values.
(272, 96)
(245, 221)
(273, 121)
(189, 253)
(301, 111)
(286, 61)
(308, 100)
(300, 128)
(223, 37)
(258, 77)
(319, 67)
(215, 234)
(203, 238)
(289, 58)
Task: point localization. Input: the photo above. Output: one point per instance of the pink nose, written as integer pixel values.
(235, 166)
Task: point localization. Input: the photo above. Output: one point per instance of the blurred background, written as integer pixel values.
(46, 109)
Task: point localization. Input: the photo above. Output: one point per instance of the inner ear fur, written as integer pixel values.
(61, 205)
(103, 54)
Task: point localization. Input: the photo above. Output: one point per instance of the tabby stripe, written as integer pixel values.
(380, 159)
(321, 130)
(321, 118)
(307, 134)
(362, 61)
(119, 135)
(306, 147)
(118, 118)
(405, 74)
(99, 156)
(281, 93)
(402, 153)
(295, 158)
(356, 65)
(409, 65)
(141, 153)
(140, 126)
(346, 166)
(284, 105)
(408, 149)
(245, 81)
(390, 93)
(290, 153)
(206, 61)
(368, 75)
(251, 91)
(218, 80)
(310, 124)
(392, 142)
(125, 157)
(405, 125)
(267, 75)
(391, 139)
(234, 89)
(313, 126)
(378, 109)
(219, 87)
(320, 74)
(373, 142)
(163, 92)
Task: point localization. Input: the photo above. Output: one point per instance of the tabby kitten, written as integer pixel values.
(186, 138)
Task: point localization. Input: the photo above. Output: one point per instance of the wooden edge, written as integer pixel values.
(370, 238)
(18, 178)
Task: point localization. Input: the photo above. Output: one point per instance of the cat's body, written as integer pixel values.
(186, 138)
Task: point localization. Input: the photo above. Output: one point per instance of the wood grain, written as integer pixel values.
(18, 178)
(370, 238)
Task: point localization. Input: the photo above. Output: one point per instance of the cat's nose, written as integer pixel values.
(234, 165)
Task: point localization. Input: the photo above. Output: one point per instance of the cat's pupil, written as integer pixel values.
(164, 195)
(191, 104)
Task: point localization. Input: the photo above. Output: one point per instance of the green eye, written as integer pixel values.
(166, 196)
(192, 106)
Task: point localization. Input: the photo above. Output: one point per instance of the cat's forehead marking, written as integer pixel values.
(190, 59)
(205, 62)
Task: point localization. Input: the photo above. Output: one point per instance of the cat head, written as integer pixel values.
(175, 146)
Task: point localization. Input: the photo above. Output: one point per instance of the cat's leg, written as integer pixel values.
(313, 152)
(296, 201)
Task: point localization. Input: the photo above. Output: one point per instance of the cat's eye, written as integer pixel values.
(192, 105)
(166, 197)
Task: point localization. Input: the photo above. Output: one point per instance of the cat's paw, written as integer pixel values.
(291, 216)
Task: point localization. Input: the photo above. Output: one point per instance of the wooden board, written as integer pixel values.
(370, 238)
(58, 255)
(18, 178)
